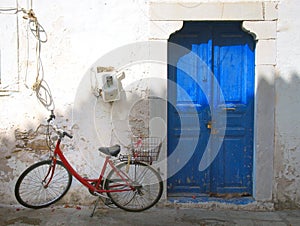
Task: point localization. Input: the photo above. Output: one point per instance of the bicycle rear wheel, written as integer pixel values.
(31, 190)
(146, 181)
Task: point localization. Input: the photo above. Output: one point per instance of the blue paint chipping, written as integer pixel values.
(227, 57)
(199, 200)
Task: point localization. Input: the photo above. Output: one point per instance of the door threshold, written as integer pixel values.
(207, 199)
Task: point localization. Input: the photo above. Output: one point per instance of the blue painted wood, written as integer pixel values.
(234, 68)
(229, 53)
(187, 105)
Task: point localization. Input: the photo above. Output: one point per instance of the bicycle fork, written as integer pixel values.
(50, 173)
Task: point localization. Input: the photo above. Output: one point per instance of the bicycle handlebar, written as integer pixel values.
(67, 134)
(52, 116)
(60, 132)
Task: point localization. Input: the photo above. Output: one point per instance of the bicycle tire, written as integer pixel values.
(30, 190)
(145, 196)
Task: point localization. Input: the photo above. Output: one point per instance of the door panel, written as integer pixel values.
(222, 50)
(188, 112)
(234, 69)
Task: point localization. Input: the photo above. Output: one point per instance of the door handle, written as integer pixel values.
(213, 131)
(209, 124)
(229, 109)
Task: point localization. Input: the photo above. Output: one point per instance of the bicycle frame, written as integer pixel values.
(86, 181)
(46, 182)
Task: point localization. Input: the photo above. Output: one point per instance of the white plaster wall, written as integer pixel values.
(78, 35)
(287, 153)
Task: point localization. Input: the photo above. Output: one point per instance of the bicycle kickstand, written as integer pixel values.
(95, 206)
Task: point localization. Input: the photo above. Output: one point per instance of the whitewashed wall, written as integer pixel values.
(287, 83)
(79, 33)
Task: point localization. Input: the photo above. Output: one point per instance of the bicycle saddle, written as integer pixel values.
(113, 150)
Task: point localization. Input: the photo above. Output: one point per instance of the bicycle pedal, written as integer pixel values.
(108, 202)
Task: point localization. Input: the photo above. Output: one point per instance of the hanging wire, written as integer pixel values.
(37, 29)
(27, 57)
(9, 10)
(43, 94)
(41, 87)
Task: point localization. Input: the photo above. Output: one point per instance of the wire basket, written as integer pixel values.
(146, 149)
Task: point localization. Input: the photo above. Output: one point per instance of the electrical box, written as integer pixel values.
(109, 85)
(110, 88)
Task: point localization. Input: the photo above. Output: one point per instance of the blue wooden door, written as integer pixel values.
(226, 56)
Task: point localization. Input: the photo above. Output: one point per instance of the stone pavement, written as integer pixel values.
(80, 215)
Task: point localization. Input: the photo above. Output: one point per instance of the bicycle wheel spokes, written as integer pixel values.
(147, 186)
(31, 190)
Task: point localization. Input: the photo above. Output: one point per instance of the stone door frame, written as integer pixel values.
(260, 20)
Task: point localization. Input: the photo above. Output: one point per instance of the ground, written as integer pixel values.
(80, 215)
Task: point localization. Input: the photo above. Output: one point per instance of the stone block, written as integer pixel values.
(271, 10)
(161, 30)
(266, 52)
(206, 11)
(261, 29)
(266, 73)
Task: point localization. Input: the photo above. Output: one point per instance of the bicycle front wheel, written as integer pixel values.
(32, 189)
(146, 183)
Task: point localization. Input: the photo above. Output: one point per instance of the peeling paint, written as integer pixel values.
(66, 60)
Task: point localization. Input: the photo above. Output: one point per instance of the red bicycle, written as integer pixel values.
(132, 184)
